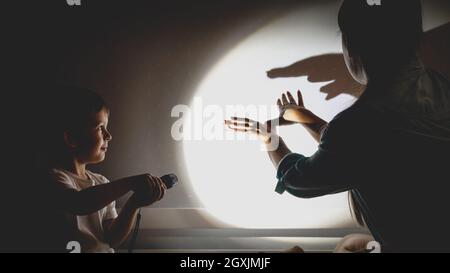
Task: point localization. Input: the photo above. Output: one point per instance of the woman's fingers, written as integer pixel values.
(300, 98)
(291, 98)
(245, 125)
(248, 126)
(287, 98)
(284, 99)
(235, 121)
(243, 130)
(242, 119)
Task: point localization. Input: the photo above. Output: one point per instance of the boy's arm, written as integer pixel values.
(97, 197)
(117, 230)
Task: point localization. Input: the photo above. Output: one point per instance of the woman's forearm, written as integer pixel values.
(315, 129)
(277, 154)
(312, 123)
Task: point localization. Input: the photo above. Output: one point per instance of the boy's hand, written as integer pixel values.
(147, 190)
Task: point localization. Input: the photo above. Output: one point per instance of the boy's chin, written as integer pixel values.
(97, 159)
(101, 158)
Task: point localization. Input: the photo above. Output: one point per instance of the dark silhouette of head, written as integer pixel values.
(69, 112)
(377, 39)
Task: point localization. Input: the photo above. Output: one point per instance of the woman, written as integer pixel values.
(388, 149)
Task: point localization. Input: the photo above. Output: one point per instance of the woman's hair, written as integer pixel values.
(355, 210)
(384, 36)
(388, 33)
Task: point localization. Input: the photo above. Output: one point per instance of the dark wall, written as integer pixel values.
(143, 57)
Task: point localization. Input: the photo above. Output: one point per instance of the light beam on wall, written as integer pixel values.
(235, 180)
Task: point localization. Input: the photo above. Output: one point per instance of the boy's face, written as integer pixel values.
(93, 143)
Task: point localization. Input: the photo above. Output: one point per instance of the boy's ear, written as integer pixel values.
(68, 140)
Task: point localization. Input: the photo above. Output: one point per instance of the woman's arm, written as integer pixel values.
(291, 112)
(278, 154)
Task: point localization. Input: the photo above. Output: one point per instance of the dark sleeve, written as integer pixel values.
(327, 171)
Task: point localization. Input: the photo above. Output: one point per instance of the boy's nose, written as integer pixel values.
(108, 136)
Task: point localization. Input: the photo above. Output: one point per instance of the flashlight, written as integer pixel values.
(169, 180)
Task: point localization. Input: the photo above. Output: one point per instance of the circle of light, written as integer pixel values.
(235, 180)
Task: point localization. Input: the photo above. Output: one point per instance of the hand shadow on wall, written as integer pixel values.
(434, 52)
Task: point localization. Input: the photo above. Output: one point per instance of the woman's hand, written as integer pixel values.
(295, 112)
(291, 112)
(275, 146)
(246, 125)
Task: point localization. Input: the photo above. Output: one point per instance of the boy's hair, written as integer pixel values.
(385, 33)
(76, 106)
(69, 109)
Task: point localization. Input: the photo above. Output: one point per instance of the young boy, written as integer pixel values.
(87, 199)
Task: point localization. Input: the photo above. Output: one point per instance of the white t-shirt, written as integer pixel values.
(87, 229)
